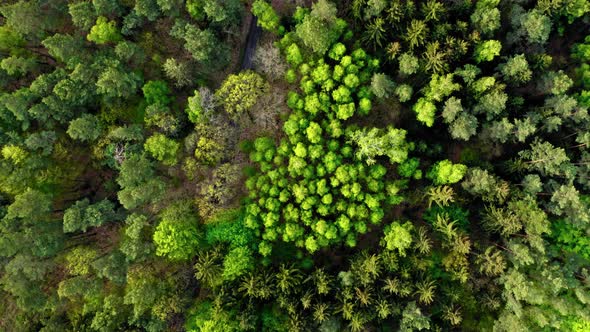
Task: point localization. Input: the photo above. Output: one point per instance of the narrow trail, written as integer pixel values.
(253, 36)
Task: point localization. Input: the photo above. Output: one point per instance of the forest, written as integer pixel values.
(294, 165)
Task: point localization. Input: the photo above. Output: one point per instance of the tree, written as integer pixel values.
(374, 33)
(381, 85)
(21, 278)
(267, 17)
(112, 314)
(516, 69)
(29, 206)
(445, 172)
(218, 192)
(556, 83)
(464, 126)
(433, 10)
(104, 31)
(408, 64)
(177, 71)
(566, 201)
(204, 316)
(138, 182)
(441, 195)
(293, 55)
(440, 86)
(425, 291)
(434, 60)
(404, 92)
(85, 128)
(137, 242)
(374, 8)
(491, 262)
(148, 9)
(200, 107)
(83, 14)
(210, 145)
(203, 45)
(452, 109)
(144, 288)
(398, 237)
(239, 92)
(156, 92)
(314, 133)
(208, 270)
(544, 158)
(319, 29)
(43, 140)
(486, 17)
(66, 48)
(413, 319)
(107, 7)
(226, 12)
(389, 142)
(83, 215)
(268, 61)
(163, 149)
(237, 262)
(177, 236)
(161, 116)
(488, 187)
(487, 50)
(79, 260)
(425, 111)
(491, 104)
(535, 26)
(18, 66)
(116, 82)
(416, 33)
(26, 18)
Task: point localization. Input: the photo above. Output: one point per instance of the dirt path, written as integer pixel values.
(253, 35)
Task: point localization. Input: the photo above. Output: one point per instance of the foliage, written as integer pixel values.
(239, 93)
(82, 215)
(390, 143)
(445, 172)
(381, 85)
(398, 237)
(163, 149)
(342, 213)
(156, 92)
(138, 183)
(237, 262)
(267, 17)
(320, 28)
(104, 31)
(487, 50)
(177, 235)
(85, 128)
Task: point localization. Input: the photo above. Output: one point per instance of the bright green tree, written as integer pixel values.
(163, 149)
(177, 235)
(104, 31)
(268, 19)
(156, 92)
(487, 50)
(398, 237)
(425, 111)
(445, 172)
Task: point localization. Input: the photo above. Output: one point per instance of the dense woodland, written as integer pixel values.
(384, 165)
